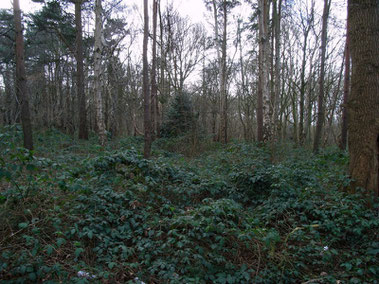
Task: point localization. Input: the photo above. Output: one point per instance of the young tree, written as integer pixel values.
(145, 83)
(363, 103)
(21, 88)
(98, 72)
(320, 109)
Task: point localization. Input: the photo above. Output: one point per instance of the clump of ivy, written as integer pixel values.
(233, 215)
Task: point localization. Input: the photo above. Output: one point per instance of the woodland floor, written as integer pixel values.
(72, 212)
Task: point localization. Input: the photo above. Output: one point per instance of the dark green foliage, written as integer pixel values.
(230, 216)
(180, 117)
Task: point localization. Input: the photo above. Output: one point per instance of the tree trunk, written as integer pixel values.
(320, 110)
(346, 90)
(98, 72)
(263, 111)
(154, 87)
(145, 84)
(83, 130)
(363, 103)
(276, 22)
(223, 90)
(21, 88)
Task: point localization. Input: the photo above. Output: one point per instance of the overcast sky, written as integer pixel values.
(193, 8)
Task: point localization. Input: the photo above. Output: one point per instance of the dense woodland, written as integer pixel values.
(139, 146)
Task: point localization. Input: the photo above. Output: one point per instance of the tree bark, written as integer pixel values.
(320, 110)
(21, 88)
(83, 130)
(98, 72)
(145, 84)
(363, 103)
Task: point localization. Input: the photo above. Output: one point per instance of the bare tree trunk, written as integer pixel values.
(21, 89)
(223, 90)
(346, 90)
(320, 110)
(363, 103)
(98, 72)
(154, 87)
(263, 111)
(145, 85)
(276, 22)
(83, 130)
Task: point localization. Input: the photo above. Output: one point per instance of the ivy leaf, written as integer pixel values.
(23, 225)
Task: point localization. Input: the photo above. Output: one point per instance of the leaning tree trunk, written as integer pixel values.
(21, 89)
(320, 109)
(145, 84)
(83, 130)
(363, 103)
(98, 72)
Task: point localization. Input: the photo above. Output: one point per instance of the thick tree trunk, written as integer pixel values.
(145, 84)
(363, 103)
(263, 111)
(83, 130)
(98, 72)
(21, 89)
(320, 110)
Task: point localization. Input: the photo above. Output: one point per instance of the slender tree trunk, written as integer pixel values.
(219, 60)
(346, 90)
(83, 129)
(21, 88)
(302, 89)
(154, 87)
(277, 21)
(223, 90)
(363, 103)
(321, 110)
(98, 72)
(145, 85)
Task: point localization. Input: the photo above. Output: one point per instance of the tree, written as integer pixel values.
(222, 8)
(320, 107)
(145, 83)
(346, 90)
(263, 110)
(98, 72)
(21, 88)
(83, 129)
(154, 86)
(277, 8)
(180, 119)
(363, 103)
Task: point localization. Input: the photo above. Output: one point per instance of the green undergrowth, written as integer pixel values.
(232, 215)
